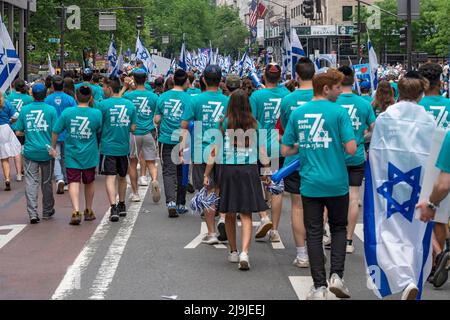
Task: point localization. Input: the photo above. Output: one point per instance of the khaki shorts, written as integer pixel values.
(145, 144)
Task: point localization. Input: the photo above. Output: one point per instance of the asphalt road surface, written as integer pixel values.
(149, 256)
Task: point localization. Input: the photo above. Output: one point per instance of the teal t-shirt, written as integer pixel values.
(443, 161)
(320, 128)
(170, 106)
(193, 91)
(82, 124)
(368, 98)
(266, 106)
(148, 87)
(289, 103)
(119, 114)
(37, 120)
(145, 104)
(394, 86)
(97, 91)
(439, 108)
(18, 100)
(229, 153)
(362, 116)
(207, 108)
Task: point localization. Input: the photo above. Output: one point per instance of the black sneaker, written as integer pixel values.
(34, 220)
(222, 233)
(431, 276)
(122, 209)
(47, 216)
(441, 274)
(190, 188)
(114, 214)
(7, 186)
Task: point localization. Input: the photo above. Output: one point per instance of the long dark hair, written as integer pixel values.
(384, 96)
(239, 114)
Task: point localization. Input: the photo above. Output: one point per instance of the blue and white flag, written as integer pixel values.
(188, 60)
(112, 55)
(182, 60)
(142, 54)
(51, 70)
(246, 64)
(355, 78)
(373, 62)
(296, 49)
(118, 66)
(286, 56)
(397, 244)
(9, 60)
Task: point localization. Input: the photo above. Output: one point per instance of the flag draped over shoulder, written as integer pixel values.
(397, 245)
(10, 64)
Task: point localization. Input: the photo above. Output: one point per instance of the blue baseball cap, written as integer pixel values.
(365, 85)
(139, 71)
(87, 71)
(38, 88)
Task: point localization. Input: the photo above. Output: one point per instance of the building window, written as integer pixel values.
(292, 13)
(347, 12)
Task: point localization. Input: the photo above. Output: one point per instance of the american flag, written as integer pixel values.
(253, 13)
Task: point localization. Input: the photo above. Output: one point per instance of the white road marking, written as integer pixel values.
(198, 239)
(71, 280)
(359, 231)
(302, 285)
(15, 230)
(111, 261)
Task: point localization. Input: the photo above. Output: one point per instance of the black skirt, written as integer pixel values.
(241, 190)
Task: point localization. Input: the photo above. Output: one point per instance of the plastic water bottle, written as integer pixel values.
(256, 82)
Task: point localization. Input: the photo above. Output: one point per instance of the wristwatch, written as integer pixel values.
(432, 206)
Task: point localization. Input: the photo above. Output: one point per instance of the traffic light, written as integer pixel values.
(139, 22)
(308, 9)
(152, 33)
(403, 37)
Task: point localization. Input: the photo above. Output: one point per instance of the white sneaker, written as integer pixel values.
(138, 166)
(338, 287)
(244, 263)
(350, 248)
(142, 181)
(274, 236)
(66, 187)
(233, 257)
(134, 197)
(326, 239)
(19, 177)
(263, 228)
(301, 261)
(317, 294)
(410, 292)
(210, 239)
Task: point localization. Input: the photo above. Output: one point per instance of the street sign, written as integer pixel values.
(107, 21)
(53, 40)
(66, 54)
(31, 47)
(165, 40)
(402, 6)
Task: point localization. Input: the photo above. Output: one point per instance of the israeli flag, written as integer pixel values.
(142, 54)
(286, 56)
(397, 245)
(246, 64)
(119, 65)
(51, 70)
(373, 62)
(355, 78)
(188, 60)
(10, 64)
(296, 49)
(112, 55)
(182, 60)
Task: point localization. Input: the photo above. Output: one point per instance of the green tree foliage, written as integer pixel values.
(198, 19)
(431, 32)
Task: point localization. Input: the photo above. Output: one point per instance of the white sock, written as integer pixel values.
(301, 251)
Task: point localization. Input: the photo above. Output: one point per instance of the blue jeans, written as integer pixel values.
(60, 168)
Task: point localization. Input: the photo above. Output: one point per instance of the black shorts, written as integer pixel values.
(198, 172)
(292, 183)
(356, 175)
(21, 140)
(113, 165)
